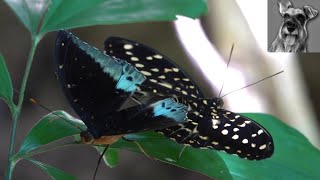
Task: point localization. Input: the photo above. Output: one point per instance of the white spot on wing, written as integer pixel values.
(236, 136)
(215, 122)
(146, 73)
(162, 77)
(215, 143)
(129, 53)
(260, 131)
(235, 129)
(134, 59)
(167, 70)
(165, 85)
(153, 80)
(138, 65)
(184, 92)
(175, 69)
(157, 56)
(127, 46)
(245, 141)
(262, 147)
(155, 69)
(224, 132)
(149, 58)
(205, 102)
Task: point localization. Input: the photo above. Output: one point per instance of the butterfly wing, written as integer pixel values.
(221, 129)
(95, 84)
(163, 75)
(157, 113)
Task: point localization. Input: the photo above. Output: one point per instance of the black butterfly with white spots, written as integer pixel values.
(208, 125)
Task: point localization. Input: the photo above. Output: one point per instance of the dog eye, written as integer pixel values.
(300, 17)
(286, 16)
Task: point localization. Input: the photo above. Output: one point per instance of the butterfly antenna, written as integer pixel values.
(32, 100)
(226, 69)
(99, 161)
(50, 111)
(253, 83)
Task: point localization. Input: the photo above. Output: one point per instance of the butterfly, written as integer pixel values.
(98, 86)
(208, 124)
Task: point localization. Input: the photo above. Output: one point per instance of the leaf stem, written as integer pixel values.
(16, 113)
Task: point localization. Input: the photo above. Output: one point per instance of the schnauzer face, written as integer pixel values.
(293, 29)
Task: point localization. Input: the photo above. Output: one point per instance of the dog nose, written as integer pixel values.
(291, 27)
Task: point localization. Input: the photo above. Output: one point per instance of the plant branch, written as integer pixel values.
(17, 111)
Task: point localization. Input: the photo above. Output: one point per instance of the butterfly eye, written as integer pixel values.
(220, 102)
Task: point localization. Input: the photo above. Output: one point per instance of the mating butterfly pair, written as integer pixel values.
(131, 88)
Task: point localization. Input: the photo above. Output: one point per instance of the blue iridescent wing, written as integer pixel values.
(97, 85)
(208, 126)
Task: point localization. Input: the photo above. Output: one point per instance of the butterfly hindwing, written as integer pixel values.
(220, 129)
(154, 114)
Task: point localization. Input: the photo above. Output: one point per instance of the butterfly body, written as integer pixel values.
(97, 86)
(208, 124)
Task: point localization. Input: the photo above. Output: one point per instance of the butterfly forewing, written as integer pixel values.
(97, 85)
(163, 75)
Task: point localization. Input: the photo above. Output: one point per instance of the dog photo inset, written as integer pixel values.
(293, 26)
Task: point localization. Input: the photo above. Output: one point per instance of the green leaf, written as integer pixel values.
(111, 157)
(205, 161)
(65, 14)
(6, 90)
(52, 171)
(29, 12)
(51, 127)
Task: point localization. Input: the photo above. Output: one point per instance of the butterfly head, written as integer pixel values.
(86, 137)
(217, 102)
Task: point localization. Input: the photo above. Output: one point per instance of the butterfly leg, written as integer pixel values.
(182, 150)
(139, 146)
(99, 161)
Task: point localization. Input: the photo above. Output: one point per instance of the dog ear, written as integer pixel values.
(310, 12)
(284, 5)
